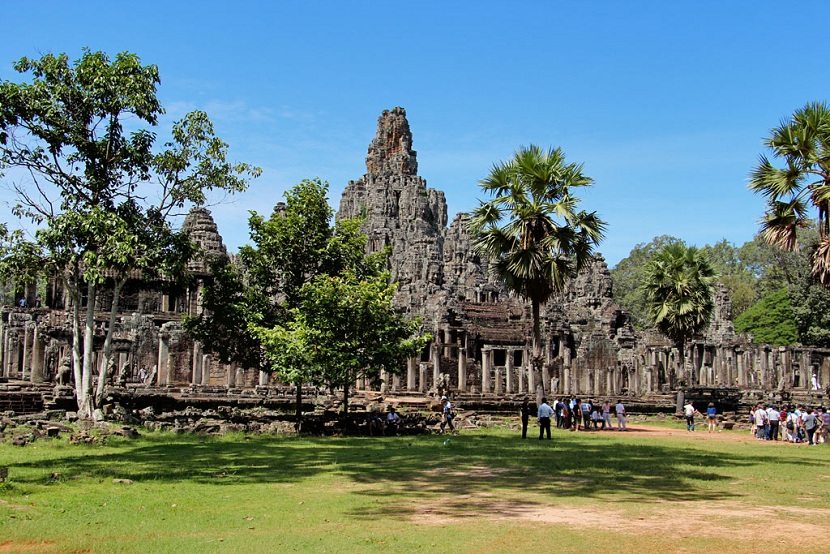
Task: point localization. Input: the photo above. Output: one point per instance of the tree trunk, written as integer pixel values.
(76, 343)
(346, 398)
(102, 378)
(299, 407)
(85, 404)
(681, 363)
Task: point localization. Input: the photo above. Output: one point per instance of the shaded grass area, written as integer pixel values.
(264, 493)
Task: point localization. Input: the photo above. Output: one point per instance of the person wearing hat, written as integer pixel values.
(392, 420)
(448, 415)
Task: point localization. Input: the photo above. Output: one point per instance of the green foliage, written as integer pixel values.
(628, 276)
(306, 302)
(678, 291)
(770, 321)
(531, 229)
(803, 144)
(93, 181)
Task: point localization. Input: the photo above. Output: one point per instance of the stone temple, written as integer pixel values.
(480, 350)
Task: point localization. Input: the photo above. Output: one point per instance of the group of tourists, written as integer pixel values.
(790, 423)
(573, 414)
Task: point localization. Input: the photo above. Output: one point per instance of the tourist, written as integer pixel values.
(620, 411)
(524, 412)
(558, 406)
(447, 415)
(606, 415)
(810, 425)
(824, 429)
(760, 422)
(793, 425)
(773, 423)
(393, 420)
(544, 414)
(585, 409)
(689, 412)
(596, 418)
(712, 417)
(566, 417)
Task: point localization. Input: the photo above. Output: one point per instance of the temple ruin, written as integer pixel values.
(481, 332)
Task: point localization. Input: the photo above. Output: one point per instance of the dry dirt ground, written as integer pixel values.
(753, 527)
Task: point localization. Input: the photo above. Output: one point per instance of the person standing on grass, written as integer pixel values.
(760, 422)
(620, 410)
(544, 414)
(606, 415)
(774, 422)
(689, 412)
(525, 414)
(712, 417)
(447, 415)
(824, 428)
(558, 406)
(810, 425)
(793, 424)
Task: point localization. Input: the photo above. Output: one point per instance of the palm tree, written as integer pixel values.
(678, 287)
(531, 229)
(803, 143)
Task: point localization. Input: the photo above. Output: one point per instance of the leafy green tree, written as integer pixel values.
(803, 144)
(532, 229)
(770, 321)
(678, 290)
(92, 181)
(628, 277)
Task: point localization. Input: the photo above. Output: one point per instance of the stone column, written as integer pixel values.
(499, 381)
(508, 370)
(436, 364)
(264, 378)
(196, 372)
(231, 372)
(396, 382)
(545, 366)
(531, 378)
(422, 377)
(384, 378)
(566, 378)
(2, 349)
(37, 358)
(205, 369)
(462, 366)
(26, 353)
(162, 377)
(411, 364)
(485, 371)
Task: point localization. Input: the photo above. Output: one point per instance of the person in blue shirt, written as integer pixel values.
(712, 417)
(544, 414)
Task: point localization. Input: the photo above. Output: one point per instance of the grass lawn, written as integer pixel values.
(482, 491)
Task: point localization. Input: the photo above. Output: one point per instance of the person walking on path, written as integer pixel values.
(774, 422)
(712, 417)
(620, 410)
(447, 415)
(760, 422)
(689, 411)
(525, 414)
(544, 414)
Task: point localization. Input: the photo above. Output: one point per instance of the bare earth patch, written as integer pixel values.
(729, 520)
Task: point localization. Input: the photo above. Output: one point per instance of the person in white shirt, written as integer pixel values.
(544, 414)
(392, 420)
(760, 422)
(773, 418)
(689, 411)
(620, 409)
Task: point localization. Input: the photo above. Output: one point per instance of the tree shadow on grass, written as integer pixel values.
(417, 468)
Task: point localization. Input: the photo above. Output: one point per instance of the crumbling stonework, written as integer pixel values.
(481, 331)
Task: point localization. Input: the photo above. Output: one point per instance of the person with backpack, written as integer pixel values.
(810, 425)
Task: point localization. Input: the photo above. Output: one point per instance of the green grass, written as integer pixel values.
(477, 492)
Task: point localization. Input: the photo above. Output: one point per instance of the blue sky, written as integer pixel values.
(665, 103)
